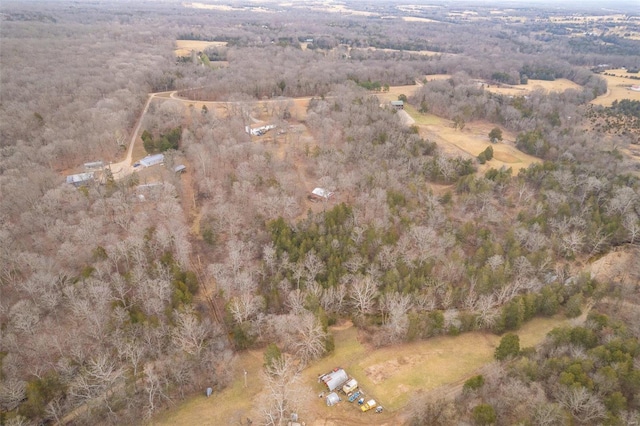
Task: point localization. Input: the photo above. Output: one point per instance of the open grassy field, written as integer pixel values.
(184, 47)
(558, 85)
(414, 52)
(390, 375)
(222, 408)
(226, 8)
(618, 88)
(417, 19)
(472, 140)
(434, 77)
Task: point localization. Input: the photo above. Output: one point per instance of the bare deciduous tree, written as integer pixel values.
(245, 306)
(582, 404)
(308, 338)
(362, 294)
(282, 393)
(190, 334)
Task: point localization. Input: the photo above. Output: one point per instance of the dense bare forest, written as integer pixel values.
(127, 294)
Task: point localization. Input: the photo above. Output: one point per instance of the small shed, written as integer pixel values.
(350, 386)
(335, 379)
(332, 399)
(320, 194)
(180, 168)
(397, 104)
(152, 160)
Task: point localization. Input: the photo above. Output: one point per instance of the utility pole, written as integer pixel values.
(245, 378)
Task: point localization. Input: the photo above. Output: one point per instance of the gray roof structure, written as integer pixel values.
(335, 379)
(80, 178)
(151, 160)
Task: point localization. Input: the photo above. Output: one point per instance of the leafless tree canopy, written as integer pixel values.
(133, 291)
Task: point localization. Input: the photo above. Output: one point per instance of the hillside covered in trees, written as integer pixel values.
(123, 296)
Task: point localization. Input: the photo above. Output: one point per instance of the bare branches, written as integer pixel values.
(282, 393)
(190, 334)
(583, 405)
(308, 339)
(363, 292)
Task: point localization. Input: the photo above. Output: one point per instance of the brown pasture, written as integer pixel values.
(558, 85)
(472, 140)
(618, 87)
(185, 47)
(390, 375)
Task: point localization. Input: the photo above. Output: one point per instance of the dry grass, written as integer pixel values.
(474, 138)
(226, 8)
(618, 88)
(559, 85)
(424, 119)
(390, 375)
(417, 19)
(572, 19)
(434, 77)
(394, 373)
(334, 7)
(184, 47)
(414, 52)
(471, 141)
(226, 407)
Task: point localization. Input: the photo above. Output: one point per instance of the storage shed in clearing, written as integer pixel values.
(320, 194)
(332, 399)
(335, 379)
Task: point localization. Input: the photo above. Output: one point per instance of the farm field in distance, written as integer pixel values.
(558, 85)
(618, 87)
(185, 47)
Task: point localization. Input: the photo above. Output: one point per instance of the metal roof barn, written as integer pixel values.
(335, 379)
(80, 179)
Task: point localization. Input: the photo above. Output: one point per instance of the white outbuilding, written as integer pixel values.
(332, 399)
(320, 194)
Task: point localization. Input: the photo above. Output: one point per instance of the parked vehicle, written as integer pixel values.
(354, 396)
(368, 405)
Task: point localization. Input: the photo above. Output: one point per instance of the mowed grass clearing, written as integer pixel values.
(391, 375)
(184, 47)
(222, 408)
(558, 85)
(472, 140)
(618, 88)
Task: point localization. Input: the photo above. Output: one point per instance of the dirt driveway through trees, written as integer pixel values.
(468, 142)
